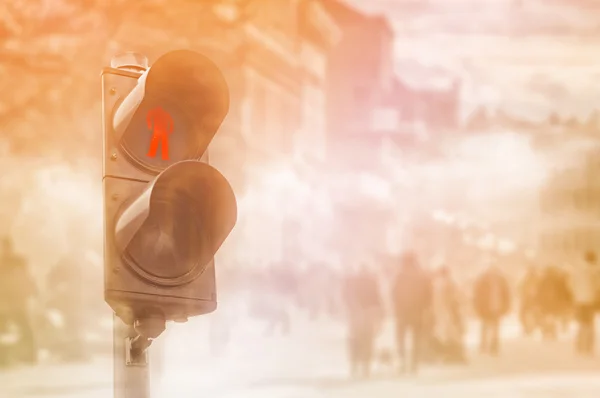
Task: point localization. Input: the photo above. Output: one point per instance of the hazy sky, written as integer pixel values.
(528, 60)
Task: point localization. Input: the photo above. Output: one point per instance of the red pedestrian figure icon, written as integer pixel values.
(161, 124)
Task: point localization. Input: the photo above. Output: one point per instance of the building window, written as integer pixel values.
(257, 99)
(315, 60)
(270, 110)
(283, 123)
(273, 122)
(313, 120)
(289, 122)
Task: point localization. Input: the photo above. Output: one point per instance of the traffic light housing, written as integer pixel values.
(166, 210)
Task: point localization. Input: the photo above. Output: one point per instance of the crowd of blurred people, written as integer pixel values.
(430, 308)
(429, 312)
(552, 296)
(17, 293)
(53, 319)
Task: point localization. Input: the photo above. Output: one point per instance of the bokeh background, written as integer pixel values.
(465, 130)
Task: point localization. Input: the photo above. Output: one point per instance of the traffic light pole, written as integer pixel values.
(162, 270)
(131, 377)
(131, 374)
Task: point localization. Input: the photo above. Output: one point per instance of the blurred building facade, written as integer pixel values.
(360, 83)
(307, 78)
(319, 33)
(570, 209)
(280, 88)
(360, 77)
(374, 107)
(273, 54)
(436, 108)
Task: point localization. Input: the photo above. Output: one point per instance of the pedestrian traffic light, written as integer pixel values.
(166, 210)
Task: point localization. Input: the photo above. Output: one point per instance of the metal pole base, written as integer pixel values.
(131, 368)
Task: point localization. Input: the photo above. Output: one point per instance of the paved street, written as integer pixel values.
(305, 365)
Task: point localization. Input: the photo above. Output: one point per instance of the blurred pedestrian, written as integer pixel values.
(362, 296)
(566, 313)
(448, 321)
(221, 329)
(528, 300)
(553, 296)
(431, 349)
(492, 302)
(17, 292)
(223, 320)
(67, 297)
(270, 301)
(584, 288)
(411, 296)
